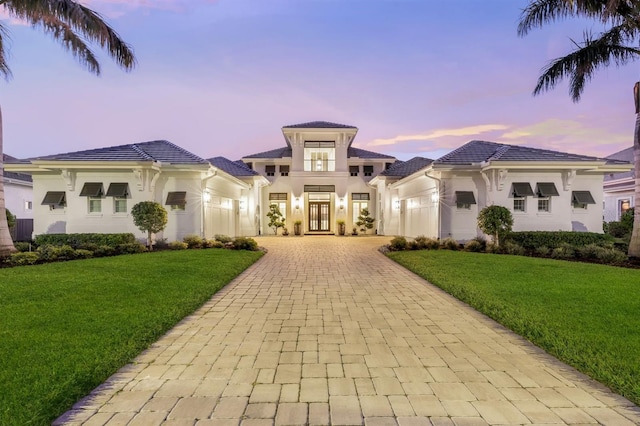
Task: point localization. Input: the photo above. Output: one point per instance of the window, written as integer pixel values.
(277, 196)
(464, 199)
(319, 188)
(284, 170)
(279, 199)
(544, 204)
(368, 170)
(270, 170)
(354, 170)
(580, 199)
(623, 206)
(519, 204)
(319, 156)
(249, 165)
(177, 200)
(387, 165)
(119, 192)
(95, 205)
(55, 200)
(119, 204)
(360, 196)
(28, 205)
(358, 206)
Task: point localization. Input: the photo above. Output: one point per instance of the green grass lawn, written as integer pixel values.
(66, 327)
(586, 315)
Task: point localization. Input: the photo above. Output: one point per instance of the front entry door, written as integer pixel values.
(318, 216)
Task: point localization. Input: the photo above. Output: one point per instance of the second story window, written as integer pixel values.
(319, 156)
(284, 170)
(354, 170)
(368, 170)
(270, 170)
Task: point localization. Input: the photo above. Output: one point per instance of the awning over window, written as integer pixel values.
(118, 190)
(522, 189)
(465, 197)
(284, 168)
(362, 196)
(354, 169)
(319, 188)
(367, 169)
(178, 198)
(92, 189)
(546, 189)
(582, 197)
(277, 196)
(271, 168)
(54, 198)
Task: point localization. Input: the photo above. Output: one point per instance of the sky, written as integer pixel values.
(221, 78)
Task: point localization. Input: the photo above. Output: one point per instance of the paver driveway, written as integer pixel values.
(326, 330)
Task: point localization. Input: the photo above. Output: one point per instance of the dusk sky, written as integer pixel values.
(417, 77)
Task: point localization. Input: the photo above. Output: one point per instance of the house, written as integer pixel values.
(18, 198)
(317, 177)
(619, 188)
(94, 190)
(545, 190)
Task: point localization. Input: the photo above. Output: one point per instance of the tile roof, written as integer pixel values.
(160, 150)
(406, 168)
(319, 125)
(625, 155)
(25, 177)
(363, 153)
(234, 168)
(475, 152)
(274, 153)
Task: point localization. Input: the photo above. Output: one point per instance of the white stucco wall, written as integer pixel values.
(612, 202)
(16, 195)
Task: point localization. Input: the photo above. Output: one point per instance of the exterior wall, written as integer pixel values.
(613, 200)
(16, 194)
(418, 208)
(461, 223)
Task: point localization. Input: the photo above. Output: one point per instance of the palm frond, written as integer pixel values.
(4, 65)
(81, 20)
(580, 65)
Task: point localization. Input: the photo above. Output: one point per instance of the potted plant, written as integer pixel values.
(354, 231)
(341, 226)
(297, 227)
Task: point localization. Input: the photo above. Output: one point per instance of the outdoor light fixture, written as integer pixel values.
(435, 196)
(243, 205)
(396, 204)
(297, 204)
(341, 203)
(206, 196)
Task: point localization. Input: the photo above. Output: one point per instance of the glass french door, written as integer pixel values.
(318, 216)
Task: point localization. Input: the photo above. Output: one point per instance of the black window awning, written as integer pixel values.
(362, 196)
(522, 189)
(284, 168)
(582, 197)
(354, 169)
(465, 197)
(319, 188)
(92, 189)
(54, 198)
(547, 189)
(178, 198)
(368, 169)
(118, 190)
(270, 168)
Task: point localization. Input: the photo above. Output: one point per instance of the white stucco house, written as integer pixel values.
(318, 177)
(18, 198)
(619, 188)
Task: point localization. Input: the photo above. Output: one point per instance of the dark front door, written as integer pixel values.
(318, 216)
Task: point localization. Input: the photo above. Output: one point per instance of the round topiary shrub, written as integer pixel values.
(398, 244)
(474, 246)
(245, 243)
(178, 245)
(193, 241)
(449, 244)
(496, 221)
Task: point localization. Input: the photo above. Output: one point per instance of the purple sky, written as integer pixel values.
(417, 77)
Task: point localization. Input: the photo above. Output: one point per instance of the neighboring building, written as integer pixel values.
(318, 178)
(619, 188)
(18, 198)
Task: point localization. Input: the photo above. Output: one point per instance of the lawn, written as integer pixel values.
(586, 315)
(66, 327)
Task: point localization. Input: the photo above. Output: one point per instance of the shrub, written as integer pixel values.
(552, 239)
(82, 254)
(563, 251)
(512, 248)
(48, 253)
(23, 246)
(590, 251)
(542, 251)
(496, 221)
(398, 244)
(193, 241)
(223, 238)
(23, 258)
(66, 252)
(212, 244)
(423, 242)
(617, 229)
(611, 255)
(149, 217)
(103, 251)
(245, 243)
(475, 246)
(178, 245)
(131, 248)
(88, 246)
(450, 244)
(77, 240)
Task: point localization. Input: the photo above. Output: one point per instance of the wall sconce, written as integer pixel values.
(206, 196)
(341, 203)
(243, 205)
(435, 197)
(396, 204)
(297, 203)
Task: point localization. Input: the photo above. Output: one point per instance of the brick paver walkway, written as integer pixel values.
(326, 330)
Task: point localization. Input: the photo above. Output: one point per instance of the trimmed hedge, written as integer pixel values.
(530, 240)
(80, 240)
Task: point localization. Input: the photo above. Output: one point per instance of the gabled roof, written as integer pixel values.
(625, 155)
(476, 152)
(25, 177)
(363, 153)
(234, 168)
(274, 153)
(160, 150)
(319, 125)
(405, 168)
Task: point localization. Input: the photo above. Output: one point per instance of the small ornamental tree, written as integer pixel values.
(365, 221)
(149, 216)
(276, 220)
(11, 219)
(496, 221)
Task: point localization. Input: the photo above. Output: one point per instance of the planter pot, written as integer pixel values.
(297, 229)
(341, 228)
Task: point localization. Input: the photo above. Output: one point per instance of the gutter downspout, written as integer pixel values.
(439, 181)
(203, 187)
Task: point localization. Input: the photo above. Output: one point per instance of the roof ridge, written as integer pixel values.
(142, 152)
(499, 152)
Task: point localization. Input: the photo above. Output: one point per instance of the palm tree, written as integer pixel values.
(617, 44)
(75, 27)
